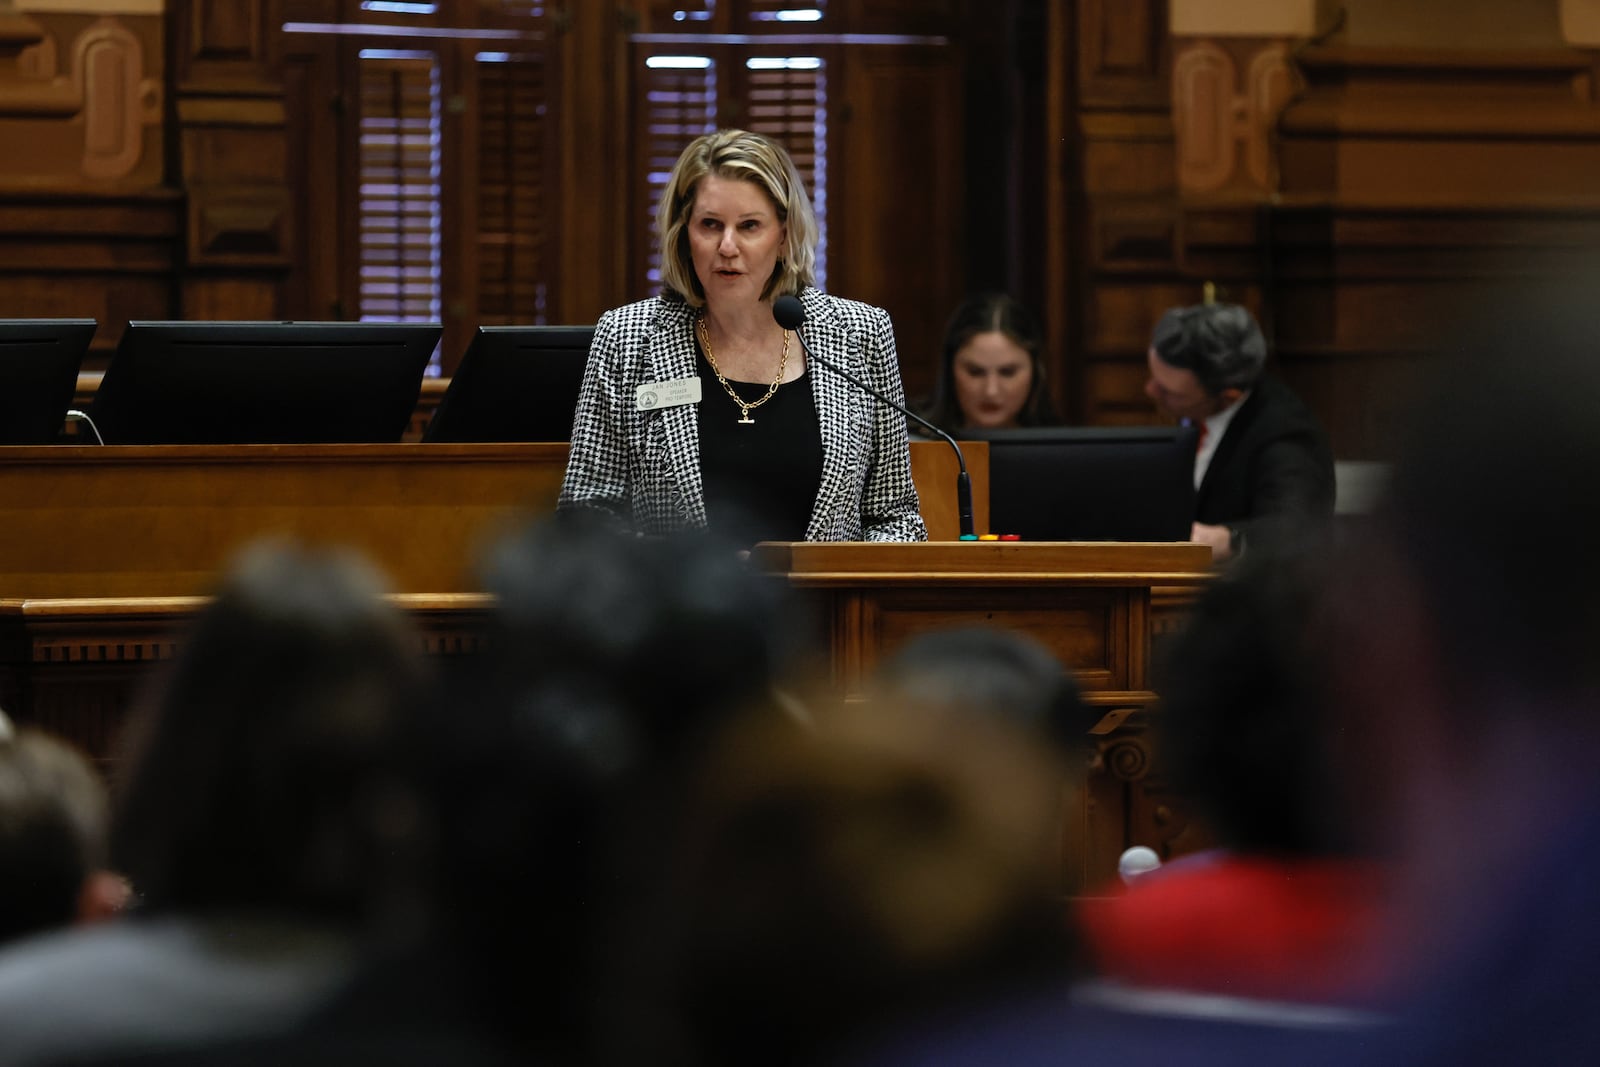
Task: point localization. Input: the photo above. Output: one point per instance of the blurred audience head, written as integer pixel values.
(1203, 358)
(1246, 730)
(992, 370)
(1473, 617)
(271, 772)
(986, 670)
(829, 886)
(52, 835)
(613, 660)
(664, 637)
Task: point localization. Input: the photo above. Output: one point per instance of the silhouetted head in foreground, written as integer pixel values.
(272, 772)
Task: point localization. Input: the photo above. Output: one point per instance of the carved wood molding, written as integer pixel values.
(1226, 99)
(17, 32)
(99, 118)
(88, 632)
(1431, 127)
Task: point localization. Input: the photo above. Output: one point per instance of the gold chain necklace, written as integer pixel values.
(745, 407)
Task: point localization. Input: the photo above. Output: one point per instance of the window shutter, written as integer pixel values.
(680, 104)
(787, 100)
(799, 14)
(398, 201)
(513, 231)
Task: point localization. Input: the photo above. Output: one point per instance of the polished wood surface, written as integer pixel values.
(140, 521)
(163, 520)
(934, 470)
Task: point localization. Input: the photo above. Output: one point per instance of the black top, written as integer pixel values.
(760, 479)
(1272, 471)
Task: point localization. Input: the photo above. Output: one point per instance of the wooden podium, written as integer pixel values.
(1089, 603)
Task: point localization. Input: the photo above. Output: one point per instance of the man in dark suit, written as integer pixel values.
(1263, 464)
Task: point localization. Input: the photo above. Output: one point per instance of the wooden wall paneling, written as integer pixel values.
(595, 239)
(228, 44)
(1415, 181)
(86, 227)
(1433, 127)
(1125, 209)
(1033, 172)
(108, 257)
(1060, 206)
(86, 99)
(314, 151)
(1122, 54)
(911, 17)
(895, 236)
(233, 157)
(1366, 295)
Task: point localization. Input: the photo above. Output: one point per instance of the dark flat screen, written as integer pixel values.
(1091, 483)
(39, 361)
(514, 383)
(263, 382)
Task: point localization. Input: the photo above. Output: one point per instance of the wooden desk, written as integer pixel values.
(103, 550)
(142, 521)
(84, 521)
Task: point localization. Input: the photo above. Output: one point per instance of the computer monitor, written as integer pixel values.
(39, 361)
(514, 383)
(180, 383)
(1091, 483)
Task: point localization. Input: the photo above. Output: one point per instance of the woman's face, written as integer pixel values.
(993, 375)
(734, 239)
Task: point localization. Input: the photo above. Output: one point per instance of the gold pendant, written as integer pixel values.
(745, 419)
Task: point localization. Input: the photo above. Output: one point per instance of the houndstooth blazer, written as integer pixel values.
(644, 466)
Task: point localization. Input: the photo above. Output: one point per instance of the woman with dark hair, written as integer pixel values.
(992, 374)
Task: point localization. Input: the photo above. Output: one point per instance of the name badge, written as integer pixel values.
(653, 395)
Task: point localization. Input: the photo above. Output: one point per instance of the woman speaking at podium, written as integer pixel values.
(698, 410)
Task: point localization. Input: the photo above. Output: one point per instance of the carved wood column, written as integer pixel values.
(593, 235)
(1118, 224)
(232, 157)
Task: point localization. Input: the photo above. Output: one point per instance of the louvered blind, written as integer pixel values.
(795, 12)
(398, 203)
(787, 99)
(513, 236)
(680, 104)
(696, 13)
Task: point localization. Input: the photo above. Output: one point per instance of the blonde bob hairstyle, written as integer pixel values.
(736, 155)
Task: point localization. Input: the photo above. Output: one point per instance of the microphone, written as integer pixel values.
(791, 314)
(82, 416)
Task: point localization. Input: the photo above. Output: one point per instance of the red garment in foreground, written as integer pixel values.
(1298, 930)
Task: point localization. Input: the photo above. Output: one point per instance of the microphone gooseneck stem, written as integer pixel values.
(963, 481)
(75, 415)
